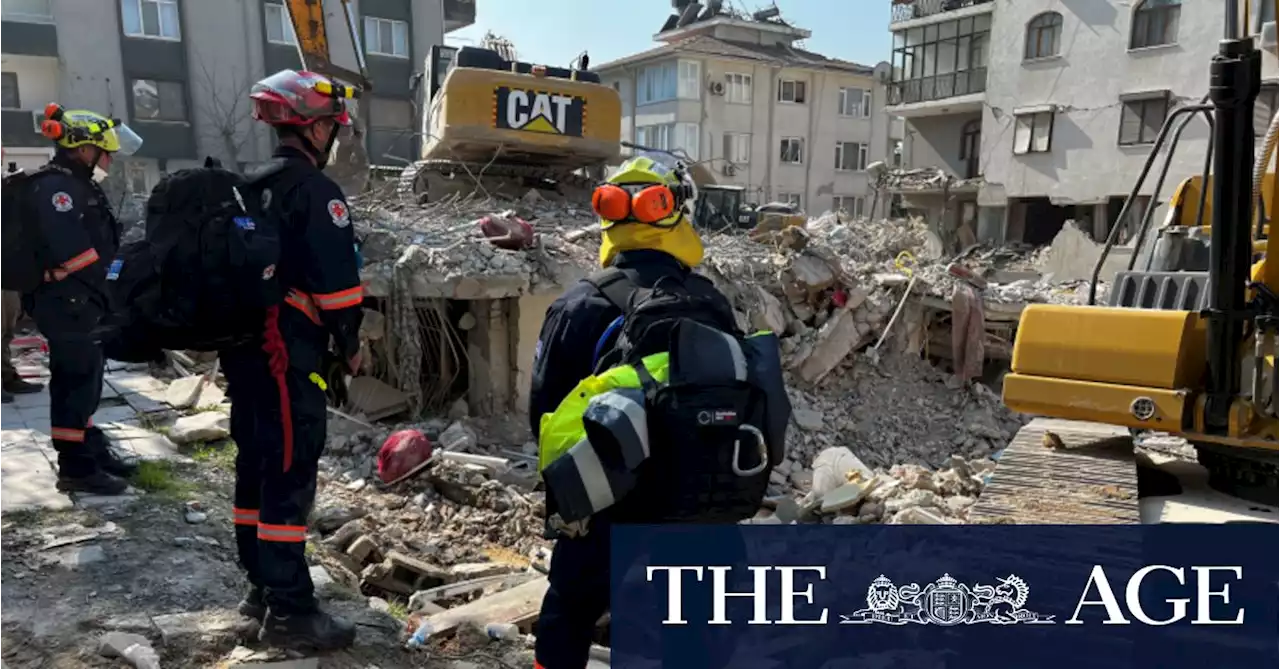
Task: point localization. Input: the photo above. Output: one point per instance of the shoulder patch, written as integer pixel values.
(61, 201)
(338, 211)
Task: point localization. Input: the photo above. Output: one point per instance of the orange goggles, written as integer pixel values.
(642, 203)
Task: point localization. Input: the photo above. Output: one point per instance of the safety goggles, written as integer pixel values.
(642, 203)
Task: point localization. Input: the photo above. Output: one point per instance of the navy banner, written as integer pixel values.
(955, 597)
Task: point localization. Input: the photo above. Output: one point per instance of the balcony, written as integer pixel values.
(938, 88)
(907, 10)
(28, 28)
(459, 14)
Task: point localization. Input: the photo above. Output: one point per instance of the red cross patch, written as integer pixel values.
(61, 201)
(338, 211)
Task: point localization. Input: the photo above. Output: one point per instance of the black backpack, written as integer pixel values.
(695, 428)
(24, 249)
(204, 275)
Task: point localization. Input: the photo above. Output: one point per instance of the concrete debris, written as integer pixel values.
(925, 179)
(205, 426)
(133, 648)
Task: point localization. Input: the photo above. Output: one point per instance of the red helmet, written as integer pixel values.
(299, 98)
(403, 454)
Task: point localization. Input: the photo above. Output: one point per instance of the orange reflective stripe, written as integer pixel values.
(245, 516)
(304, 304)
(341, 299)
(81, 261)
(282, 533)
(67, 434)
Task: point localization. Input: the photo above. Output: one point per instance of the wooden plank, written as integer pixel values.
(516, 606)
(1091, 480)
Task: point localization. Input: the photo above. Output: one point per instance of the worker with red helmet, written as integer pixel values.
(276, 383)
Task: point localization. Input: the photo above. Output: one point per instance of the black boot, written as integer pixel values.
(316, 631)
(97, 482)
(253, 605)
(20, 387)
(98, 444)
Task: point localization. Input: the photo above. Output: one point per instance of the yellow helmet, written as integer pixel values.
(648, 195)
(80, 127)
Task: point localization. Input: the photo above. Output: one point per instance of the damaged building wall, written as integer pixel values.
(936, 141)
(491, 351)
(527, 325)
(1084, 83)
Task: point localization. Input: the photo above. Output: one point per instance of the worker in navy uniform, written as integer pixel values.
(276, 384)
(80, 236)
(579, 590)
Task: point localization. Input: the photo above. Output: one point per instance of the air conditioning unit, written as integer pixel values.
(716, 87)
(37, 117)
(729, 169)
(1269, 35)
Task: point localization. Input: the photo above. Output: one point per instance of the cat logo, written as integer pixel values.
(538, 111)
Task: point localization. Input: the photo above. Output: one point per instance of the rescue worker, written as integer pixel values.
(13, 384)
(277, 393)
(646, 252)
(80, 236)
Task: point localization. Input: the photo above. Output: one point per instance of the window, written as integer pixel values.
(940, 60)
(279, 27)
(690, 80)
(656, 83)
(792, 150)
(11, 99)
(849, 204)
(1155, 22)
(136, 183)
(737, 88)
(31, 11)
(737, 147)
(855, 102)
(1263, 109)
(157, 19)
(1265, 10)
(1141, 119)
(851, 156)
(656, 136)
(688, 138)
(1032, 133)
(159, 100)
(385, 37)
(791, 91)
(791, 199)
(1043, 34)
(970, 147)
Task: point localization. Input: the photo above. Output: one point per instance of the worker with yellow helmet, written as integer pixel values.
(65, 223)
(647, 238)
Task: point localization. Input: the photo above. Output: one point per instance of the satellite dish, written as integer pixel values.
(689, 15)
(766, 13)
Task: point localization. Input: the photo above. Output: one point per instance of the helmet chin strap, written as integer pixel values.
(322, 158)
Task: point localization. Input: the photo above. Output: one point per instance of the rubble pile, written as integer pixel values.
(925, 179)
(448, 243)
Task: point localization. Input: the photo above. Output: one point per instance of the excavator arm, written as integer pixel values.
(311, 19)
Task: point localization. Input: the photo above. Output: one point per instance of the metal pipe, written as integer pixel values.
(1133, 194)
(1154, 201)
(1235, 77)
(1204, 173)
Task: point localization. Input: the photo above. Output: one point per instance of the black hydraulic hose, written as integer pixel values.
(1133, 195)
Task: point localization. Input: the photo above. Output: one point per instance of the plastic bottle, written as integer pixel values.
(502, 631)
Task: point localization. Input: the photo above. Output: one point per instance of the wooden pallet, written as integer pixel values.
(1091, 479)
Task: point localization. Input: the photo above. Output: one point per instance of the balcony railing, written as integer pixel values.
(939, 87)
(905, 10)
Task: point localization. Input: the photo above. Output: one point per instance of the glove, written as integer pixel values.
(354, 364)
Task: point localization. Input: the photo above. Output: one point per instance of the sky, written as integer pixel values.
(554, 32)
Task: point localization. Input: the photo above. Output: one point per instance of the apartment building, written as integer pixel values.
(740, 93)
(179, 72)
(1057, 122)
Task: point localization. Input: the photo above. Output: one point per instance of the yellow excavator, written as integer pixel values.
(489, 121)
(1185, 346)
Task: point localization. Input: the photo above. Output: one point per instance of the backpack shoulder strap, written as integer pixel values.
(616, 287)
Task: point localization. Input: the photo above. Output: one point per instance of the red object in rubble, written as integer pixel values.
(507, 232)
(839, 297)
(403, 454)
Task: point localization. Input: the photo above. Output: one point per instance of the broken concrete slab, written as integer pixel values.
(27, 479)
(517, 606)
(135, 382)
(374, 399)
(114, 414)
(192, 391)
(133, 648)
(206, 426)
(807, 419)
(184, 630)
(919, 516)
(834, 342)
(403, 574)
(420, 599)
(80, 556)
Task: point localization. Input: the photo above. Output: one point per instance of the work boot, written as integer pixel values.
(254, 605)
(97, 482)
(315, 631)
(21, 387)
(98, 444)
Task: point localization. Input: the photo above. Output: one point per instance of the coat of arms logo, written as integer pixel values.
(947, 602)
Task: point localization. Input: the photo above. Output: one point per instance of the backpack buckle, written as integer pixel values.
(761, 448)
